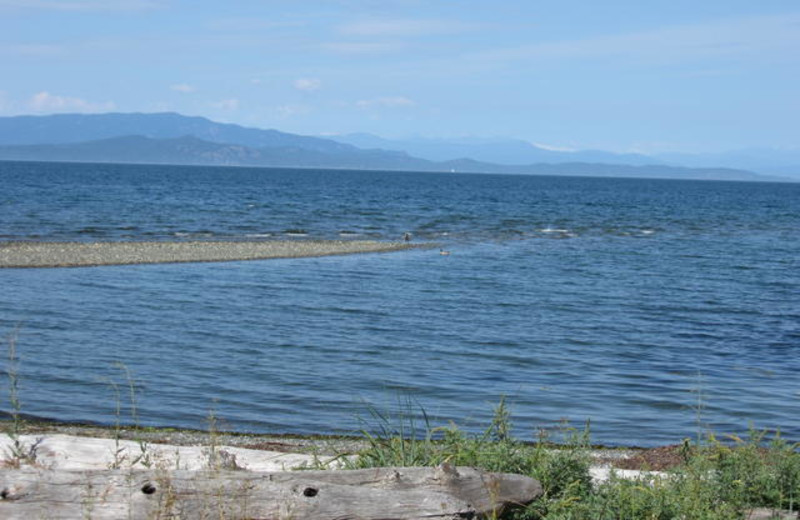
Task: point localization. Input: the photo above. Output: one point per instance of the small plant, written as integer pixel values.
(19, 452)
(120, 456)
(217, 459)
(119, 453)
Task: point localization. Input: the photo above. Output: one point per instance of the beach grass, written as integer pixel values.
(715, 479)
(712, 478)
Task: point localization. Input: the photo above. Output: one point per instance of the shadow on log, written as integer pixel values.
(370, 494)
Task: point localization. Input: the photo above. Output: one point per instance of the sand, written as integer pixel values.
(78, 254)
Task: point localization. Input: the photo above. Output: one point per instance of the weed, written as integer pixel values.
(119, 453)
(19, 452)
(717, 481)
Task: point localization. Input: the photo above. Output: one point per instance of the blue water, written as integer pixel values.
(628, 302)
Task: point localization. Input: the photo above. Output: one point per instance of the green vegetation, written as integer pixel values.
(713, 480)
(19, 452)
(709, 478)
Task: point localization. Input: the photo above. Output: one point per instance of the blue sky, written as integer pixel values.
(647, 76)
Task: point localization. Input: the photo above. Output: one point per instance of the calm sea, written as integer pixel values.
(654, 308)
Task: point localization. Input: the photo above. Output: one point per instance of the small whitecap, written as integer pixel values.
(554, 230)
(259, 235)
(648, 231)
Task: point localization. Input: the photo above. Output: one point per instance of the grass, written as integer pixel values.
(717, 480)
(18, 453)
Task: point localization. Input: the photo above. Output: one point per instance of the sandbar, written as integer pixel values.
(84, 254)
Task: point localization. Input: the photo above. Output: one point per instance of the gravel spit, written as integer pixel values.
(80, 254)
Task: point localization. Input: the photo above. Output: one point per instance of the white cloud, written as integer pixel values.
(160, 106)
(46, 102)
(553, 148)
(293, 110)
(385, 102)
(82, 5)
(182, 87)
(307, 84)
(402, 27)
(226, 104)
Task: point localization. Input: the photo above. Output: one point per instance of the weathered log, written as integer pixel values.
(381, 493)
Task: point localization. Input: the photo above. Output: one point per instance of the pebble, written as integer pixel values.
(82, 254)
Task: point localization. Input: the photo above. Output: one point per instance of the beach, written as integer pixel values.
(79, 254)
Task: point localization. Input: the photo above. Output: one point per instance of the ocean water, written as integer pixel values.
(655, 308)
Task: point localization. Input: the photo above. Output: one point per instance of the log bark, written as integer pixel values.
(370, 494)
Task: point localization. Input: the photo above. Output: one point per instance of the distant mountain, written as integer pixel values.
(76, 128)
(499, 151)
(770, 161)
(169, 138)
(193, 151)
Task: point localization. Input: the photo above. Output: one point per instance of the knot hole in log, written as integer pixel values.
(148, 489)
(310, 492)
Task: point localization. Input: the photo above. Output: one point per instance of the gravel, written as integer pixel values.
(80, 254)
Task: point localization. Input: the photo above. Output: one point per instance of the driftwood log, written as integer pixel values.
(383, 493)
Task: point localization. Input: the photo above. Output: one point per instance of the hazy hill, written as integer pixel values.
(169, 138)
(763, 160)
(494, 150)
(514, 152)
(193, 151)
(76, 128)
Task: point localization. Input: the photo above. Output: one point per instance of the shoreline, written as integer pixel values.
(190, 436)
(90, 446)
(92, 254)
(327, 445)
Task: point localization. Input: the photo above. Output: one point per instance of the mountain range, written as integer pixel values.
(492, 150)
(169, 138)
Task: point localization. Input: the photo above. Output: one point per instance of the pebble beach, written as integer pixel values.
(78, 254)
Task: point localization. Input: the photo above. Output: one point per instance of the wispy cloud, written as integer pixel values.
(183, 87)
(363, 47)
(554, 148)
(229, 105)
(403, 27)
(385, 102)
(254, 24)
(46, 102)
(32, 50)
(737, 38)
(82, 5)
(293, 110)
(307, 84)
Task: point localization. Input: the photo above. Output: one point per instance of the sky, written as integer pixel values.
(627, 76)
